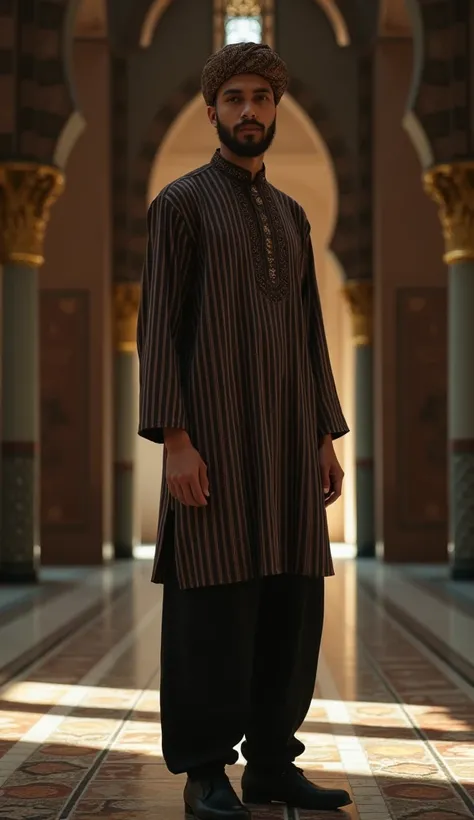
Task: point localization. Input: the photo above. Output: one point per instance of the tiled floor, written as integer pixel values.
(390, 720)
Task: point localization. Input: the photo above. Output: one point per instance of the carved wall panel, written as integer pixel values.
(422, 407)
(64, 352)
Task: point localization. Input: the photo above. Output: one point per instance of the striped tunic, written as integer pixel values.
(232, 349)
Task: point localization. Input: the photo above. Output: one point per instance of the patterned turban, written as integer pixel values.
(244, 58)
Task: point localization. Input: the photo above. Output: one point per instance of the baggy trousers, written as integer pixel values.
(238, 660)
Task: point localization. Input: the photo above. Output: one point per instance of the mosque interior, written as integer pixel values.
(100, 108)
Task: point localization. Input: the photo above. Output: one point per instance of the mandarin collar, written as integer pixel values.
(235, 171)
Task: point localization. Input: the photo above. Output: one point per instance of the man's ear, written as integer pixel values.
(212, 114)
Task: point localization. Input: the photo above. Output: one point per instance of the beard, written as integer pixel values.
(252, 145)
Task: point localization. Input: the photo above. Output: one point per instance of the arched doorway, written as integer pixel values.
(300, 165)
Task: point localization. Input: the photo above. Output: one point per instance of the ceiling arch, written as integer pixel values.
(331, 147)
(338, 23)
(155, 12)
(157, 8)
(307, 174)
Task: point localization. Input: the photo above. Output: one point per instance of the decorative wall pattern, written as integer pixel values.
(440, 97)
(65, 493)
(422, 413)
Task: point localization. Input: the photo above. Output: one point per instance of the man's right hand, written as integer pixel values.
(186, 472)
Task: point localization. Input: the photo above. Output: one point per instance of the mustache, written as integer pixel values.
(251, 124)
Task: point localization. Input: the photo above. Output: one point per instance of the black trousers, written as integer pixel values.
(238, 660)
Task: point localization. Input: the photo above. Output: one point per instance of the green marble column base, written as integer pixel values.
(17, 573)
(123, 512)
(365, 510)
(365, 536)
(18, 513)
(462, 573)
(462, 510)
(126, 425)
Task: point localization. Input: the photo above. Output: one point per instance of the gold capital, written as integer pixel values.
(452, 188)
(359, 296)
(126, 304)
(243, 8)
(27, 192)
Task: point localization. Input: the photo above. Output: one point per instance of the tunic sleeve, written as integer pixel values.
(331, 420)
(167, 261)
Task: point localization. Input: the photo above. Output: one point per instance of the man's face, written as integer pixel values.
(245, 115)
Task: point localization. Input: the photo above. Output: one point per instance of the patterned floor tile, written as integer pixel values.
(132, 771)
(127, 810)
(144, 789)
(388, 722)
(161, 808)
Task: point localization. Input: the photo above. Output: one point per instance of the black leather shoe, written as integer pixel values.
(291, 787)
(213, 798)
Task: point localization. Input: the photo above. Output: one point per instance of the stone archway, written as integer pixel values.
(157, 131)
(438, 106)
(344, 243)
(148, 13)
(345, 240)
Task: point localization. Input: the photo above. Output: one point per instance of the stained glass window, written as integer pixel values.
(243, 22)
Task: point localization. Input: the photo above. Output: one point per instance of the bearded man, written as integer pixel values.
(235, 380)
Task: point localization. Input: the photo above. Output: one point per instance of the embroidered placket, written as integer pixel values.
(272, 269)
(270, 262)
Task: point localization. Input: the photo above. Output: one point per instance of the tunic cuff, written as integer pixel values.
(336, 430)
(156, 432)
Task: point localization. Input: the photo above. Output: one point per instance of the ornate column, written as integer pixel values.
(452, 187)
(359, 296)
(126, 302)
(27, 191)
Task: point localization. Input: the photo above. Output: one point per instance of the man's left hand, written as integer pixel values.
(332, 473)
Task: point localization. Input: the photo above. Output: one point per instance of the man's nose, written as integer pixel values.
(248, 113)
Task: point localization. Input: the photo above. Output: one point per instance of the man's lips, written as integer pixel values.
(252, 129)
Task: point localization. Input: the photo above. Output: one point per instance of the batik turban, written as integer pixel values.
(244, 58)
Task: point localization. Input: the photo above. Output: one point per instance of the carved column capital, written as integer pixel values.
(359, 296)
(27, 192)
(126, 303)
(451, 186)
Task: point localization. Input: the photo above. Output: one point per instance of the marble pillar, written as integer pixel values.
(126, 301)
(452, 188)
(27, 191)
(359, 297)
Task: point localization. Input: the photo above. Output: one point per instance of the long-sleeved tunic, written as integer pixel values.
(232, 349)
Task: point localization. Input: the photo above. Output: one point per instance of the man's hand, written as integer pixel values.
(332, 473)
(186, 472)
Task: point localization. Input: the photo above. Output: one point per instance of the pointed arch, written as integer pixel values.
(338, 23)
(157, 8)
(345, 239)
(151, 20)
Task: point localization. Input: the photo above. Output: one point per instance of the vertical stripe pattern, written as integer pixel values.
(232, 348)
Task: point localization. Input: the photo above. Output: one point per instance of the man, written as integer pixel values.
(235, 379)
